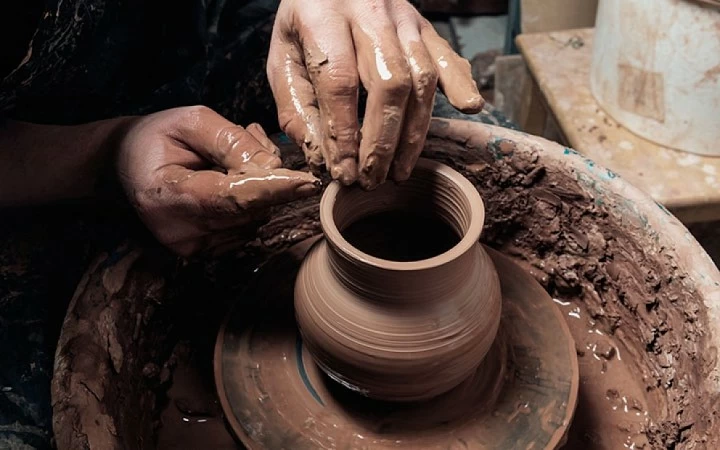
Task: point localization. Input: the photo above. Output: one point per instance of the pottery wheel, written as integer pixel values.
(274, 396)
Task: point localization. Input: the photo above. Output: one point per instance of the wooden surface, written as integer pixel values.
(559, 62)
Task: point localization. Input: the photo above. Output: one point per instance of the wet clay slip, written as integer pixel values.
(400, 328)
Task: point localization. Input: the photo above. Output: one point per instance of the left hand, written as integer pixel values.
(322, 50)
(201, 183)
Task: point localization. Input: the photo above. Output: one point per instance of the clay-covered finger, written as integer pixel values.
(270, 159)
(216, 139)
(454, 72)
(242, 147)
(298, 113)
(217, 194)
(420, 104)
(258, 133)
(330, 62)
(385, 73)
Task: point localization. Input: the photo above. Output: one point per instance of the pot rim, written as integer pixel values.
(469, 239)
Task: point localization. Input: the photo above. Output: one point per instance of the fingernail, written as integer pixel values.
(345, 171)
(260, 129)
(473, 105)
(308, 189)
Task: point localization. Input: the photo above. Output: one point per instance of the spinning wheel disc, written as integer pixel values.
(522, 396)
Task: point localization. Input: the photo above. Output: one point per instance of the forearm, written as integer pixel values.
(48, 163)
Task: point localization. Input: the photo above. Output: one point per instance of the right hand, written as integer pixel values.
(200, 182)
(320, 53)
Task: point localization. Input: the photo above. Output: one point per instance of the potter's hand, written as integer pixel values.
(199, 182)
(322, 49)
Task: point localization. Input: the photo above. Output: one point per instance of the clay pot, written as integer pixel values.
(396, 329)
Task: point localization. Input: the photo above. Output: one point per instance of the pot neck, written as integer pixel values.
(397, 284)
(433, 188)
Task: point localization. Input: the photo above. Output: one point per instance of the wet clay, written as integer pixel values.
(192, 418)
(590, 247)
(613, 408)
(590, 243)
(402, 331)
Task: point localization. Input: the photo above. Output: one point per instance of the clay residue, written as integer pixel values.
(597, 255)
(98, 354)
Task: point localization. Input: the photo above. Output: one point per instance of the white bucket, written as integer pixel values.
(656, 70)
